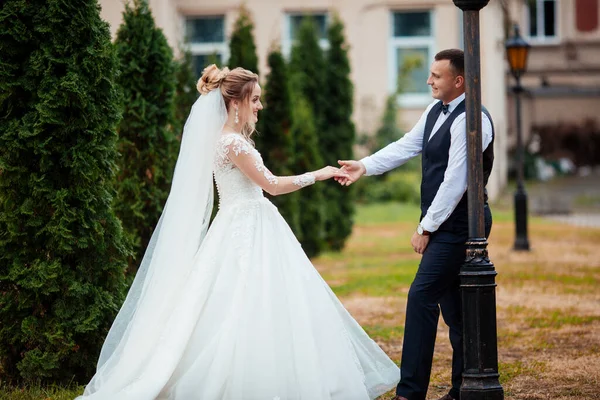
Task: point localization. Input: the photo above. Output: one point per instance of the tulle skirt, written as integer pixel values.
(263, 324)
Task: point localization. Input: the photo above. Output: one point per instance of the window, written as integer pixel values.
(541, 19)
(291, 27)
(411, 53)
(206, 40)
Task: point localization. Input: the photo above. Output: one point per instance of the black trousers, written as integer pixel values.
(435, 287)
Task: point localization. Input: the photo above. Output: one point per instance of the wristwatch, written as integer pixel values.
(422, 231)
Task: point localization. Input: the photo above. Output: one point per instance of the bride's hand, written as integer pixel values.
(328, 173)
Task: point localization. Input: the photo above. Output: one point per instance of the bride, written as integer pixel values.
(236, 311)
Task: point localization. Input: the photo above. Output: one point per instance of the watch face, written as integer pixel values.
(420, 230)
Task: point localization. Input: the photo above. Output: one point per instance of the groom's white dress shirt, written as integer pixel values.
(411, 144)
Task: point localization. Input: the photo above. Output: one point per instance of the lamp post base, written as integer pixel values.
(478, 292)
(473, 393)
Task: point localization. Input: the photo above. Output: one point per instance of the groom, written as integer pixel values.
(440, 136)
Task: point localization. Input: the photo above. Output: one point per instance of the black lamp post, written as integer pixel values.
(477, 275)
(517, 50)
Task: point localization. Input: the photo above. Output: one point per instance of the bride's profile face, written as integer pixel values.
(253, 105)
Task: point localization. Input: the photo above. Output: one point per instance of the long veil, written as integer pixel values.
(144, 334)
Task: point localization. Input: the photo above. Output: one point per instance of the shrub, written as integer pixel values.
(274, 140)
(399, 185)
(308, 158)
(147, 143)
(337, 139)
(242, 50)
(62, 253)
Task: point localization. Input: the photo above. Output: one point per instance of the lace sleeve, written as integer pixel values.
(233, 143)
(248, 160)
(304, 180)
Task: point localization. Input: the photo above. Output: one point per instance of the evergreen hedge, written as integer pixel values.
(147, 142)
(307, 66)
(308, 158)
(307, 80)
(186, 93)
(62, 253)
(274, 139)
(242, 49)
(337, 138)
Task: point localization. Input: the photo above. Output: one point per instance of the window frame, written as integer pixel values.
(415, 99)
(541, 39)
(209, 48)
(286, 40)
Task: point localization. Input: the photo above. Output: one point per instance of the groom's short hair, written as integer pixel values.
(456, 58)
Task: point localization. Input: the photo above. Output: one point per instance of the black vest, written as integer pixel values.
(435, 155)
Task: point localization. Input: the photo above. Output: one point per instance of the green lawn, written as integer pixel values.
(547, 299)
(386, 213)
(39, 393)
(376, 214)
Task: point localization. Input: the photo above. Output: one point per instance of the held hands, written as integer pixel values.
(353, 169)
(330, 172)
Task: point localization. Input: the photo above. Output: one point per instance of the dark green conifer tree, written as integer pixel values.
(186, 93)
(242, 50)
(147, 142)
(307, 66)
(308, 158)
(62, 253)
(274, 139)
(338, 136)
(389, 131)
(307, 80)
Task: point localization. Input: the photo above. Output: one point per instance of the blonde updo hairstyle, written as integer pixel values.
(237, 84)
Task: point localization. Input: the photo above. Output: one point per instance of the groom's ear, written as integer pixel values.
(459, 81)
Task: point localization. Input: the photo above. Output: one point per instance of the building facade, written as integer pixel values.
(381, 36)
(562, 82)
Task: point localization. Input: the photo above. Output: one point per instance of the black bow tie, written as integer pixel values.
(445, 108)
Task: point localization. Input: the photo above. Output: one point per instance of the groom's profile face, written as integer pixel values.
(445, 84)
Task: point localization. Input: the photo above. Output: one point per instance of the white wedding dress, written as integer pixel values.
(253, 320)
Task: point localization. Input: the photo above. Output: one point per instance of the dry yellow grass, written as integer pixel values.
(548, 304)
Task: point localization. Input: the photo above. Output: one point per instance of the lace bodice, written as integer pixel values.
(241, 174)
(232, 184)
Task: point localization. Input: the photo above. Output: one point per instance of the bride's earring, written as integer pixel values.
(237, 120)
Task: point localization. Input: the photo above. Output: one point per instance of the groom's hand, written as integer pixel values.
(419, 242)
(354, 169)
